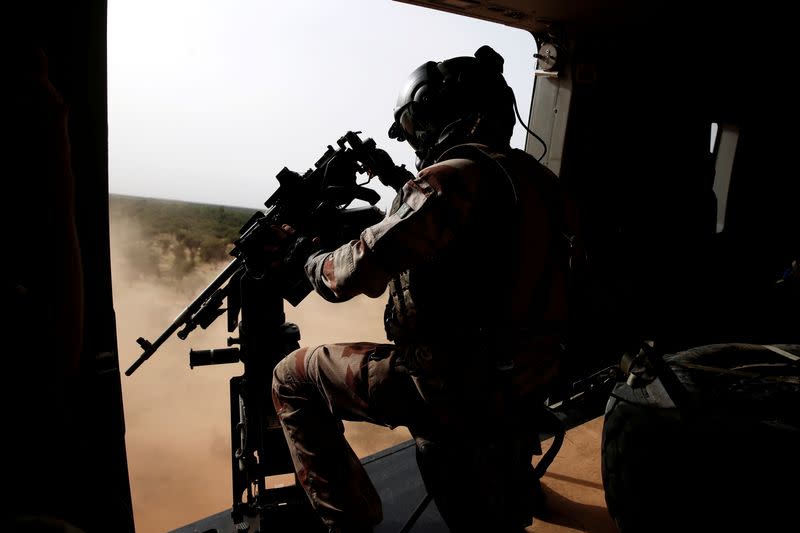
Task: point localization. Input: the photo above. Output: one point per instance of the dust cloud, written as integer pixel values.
(178, 419)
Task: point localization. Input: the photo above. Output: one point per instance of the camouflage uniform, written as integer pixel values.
(463, 253)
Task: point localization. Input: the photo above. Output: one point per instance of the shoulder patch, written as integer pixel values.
(404, 211)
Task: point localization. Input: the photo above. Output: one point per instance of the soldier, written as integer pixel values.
(474, 312)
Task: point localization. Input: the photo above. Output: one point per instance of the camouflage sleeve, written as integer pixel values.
(428, 213)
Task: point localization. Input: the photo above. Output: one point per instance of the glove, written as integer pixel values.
(298, 252)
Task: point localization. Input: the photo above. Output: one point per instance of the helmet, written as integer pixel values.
(463, 99)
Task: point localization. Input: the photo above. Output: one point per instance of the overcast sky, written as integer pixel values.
(208, 100)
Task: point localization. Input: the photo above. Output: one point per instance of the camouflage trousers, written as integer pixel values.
(435, 396)
(313, 390)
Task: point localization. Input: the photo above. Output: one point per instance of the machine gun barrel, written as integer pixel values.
(184, 319)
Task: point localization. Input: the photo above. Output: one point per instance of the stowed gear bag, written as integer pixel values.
(706, 440)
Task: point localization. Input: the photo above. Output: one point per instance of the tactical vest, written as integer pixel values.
(498, 276)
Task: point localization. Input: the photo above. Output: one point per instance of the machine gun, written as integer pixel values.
(314, 204)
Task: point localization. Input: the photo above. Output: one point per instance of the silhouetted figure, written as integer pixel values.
(475, 312)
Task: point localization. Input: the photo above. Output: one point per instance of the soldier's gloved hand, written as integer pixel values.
(277, 243)
(388, 173)
(299, 251)
(286, 250)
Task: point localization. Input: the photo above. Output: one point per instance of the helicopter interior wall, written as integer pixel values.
(759, 242)
(637, 157)
(65, 455)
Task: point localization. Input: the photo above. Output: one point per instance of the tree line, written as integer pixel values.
(172, 238)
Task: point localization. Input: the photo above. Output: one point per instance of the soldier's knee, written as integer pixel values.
(283, 380)
(284, 370)
(288, 374)
(292, 369)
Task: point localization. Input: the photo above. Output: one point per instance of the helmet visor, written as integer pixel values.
(409, 126)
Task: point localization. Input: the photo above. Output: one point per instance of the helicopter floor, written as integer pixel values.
(572, 485)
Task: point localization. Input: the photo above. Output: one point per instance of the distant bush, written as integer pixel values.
(187, 233)
(214, 249)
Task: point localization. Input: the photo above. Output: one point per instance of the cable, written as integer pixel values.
(516, 110)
